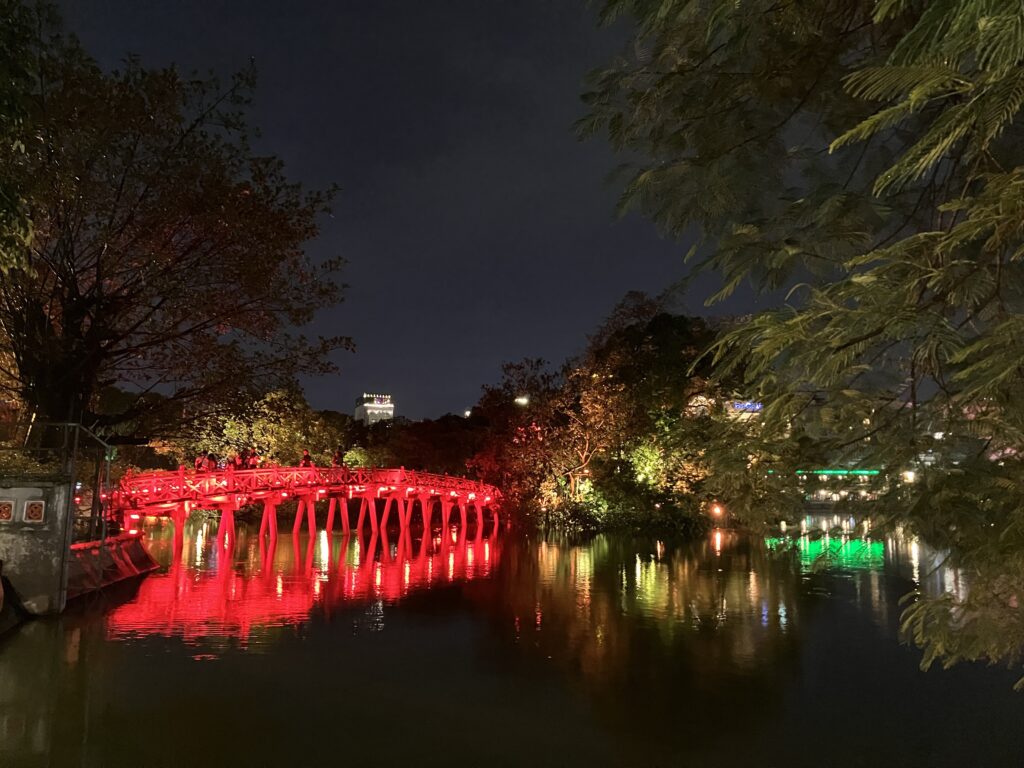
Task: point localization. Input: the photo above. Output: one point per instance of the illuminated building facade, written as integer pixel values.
(373, 408)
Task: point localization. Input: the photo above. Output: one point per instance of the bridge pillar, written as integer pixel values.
(226, 528)
(369, 507)
(311, 515)
(462, 513)
(297, 525)
(404, 511)
(427, 505)
(362, 515)
(387, 511)
(446, 511)
(343, 502)
(332, 505)
(268, 523)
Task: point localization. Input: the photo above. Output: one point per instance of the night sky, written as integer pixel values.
(477, 229)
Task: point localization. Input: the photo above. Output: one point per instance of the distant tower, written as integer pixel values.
(373, 408)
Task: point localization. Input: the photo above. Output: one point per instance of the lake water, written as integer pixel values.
(502, 650)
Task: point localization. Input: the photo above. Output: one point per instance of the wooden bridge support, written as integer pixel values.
(367, 506)
(226, 529)
(479, 521)
(345, 524)
(427, 510)
(307, 505)
(338, 504)
(268, 523)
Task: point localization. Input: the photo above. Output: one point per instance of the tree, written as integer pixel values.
(167, 256)
(869, 155)
(518, 419)
(609, 440)
(899, 221)
(15, 82)
(280, 425)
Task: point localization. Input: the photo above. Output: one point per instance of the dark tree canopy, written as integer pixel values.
(167, 256)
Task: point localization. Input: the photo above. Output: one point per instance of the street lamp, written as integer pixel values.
(523, 400)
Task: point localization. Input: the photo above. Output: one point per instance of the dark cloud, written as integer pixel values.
(477, 229)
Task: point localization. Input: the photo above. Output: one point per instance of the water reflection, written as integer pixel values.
(217, 588)
(845, 543)
(608, 651)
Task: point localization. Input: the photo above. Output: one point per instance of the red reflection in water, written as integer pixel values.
(217, 597)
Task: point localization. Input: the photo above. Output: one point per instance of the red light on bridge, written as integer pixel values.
(133, 516)
(284, 494)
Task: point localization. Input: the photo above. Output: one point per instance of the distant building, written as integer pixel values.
(373, 408)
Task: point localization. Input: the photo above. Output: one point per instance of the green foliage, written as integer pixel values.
(648, 464)
(280, 425)
(868, 156)
(378, 456)
(611, 440)
(357, 457)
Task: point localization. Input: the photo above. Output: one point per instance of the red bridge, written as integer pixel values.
(379, 491)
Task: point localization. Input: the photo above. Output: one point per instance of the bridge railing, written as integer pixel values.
(163, 488)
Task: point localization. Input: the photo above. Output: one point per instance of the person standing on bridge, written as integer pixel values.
(200, 463)
(307, 460)
(211, 463)
(338, 458)
(253, 461)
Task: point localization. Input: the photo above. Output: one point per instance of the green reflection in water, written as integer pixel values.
(847, 554)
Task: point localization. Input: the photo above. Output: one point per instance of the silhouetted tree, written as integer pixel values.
(167, 256)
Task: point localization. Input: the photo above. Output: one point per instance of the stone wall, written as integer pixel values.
(35, 537)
